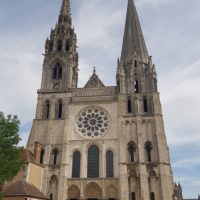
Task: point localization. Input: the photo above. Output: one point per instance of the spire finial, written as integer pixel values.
(94, 70)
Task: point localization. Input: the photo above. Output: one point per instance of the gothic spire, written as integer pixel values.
(65, 12)
(133, 42)
(65, 9)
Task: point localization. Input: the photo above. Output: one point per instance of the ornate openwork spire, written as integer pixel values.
(65, 9)
(133, 42)
(65, 12)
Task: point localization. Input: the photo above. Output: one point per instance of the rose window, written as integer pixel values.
(93, 122)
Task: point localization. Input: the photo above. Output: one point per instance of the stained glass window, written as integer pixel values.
(109, 164)
(76, 165)
(93, 162)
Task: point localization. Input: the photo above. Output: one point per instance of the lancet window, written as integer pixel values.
(129, 105)
(145, 105)
(42, 156)
(131, 151)
(59, 45)
(76, 165)
(47, 109)
(149, 147)
(57, 71)
(109, 164)
(93, 162)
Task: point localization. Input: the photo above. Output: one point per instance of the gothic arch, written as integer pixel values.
(59, 45)
(57, 71)
(46, 109)
(109, 164)
(57, 61)
(76, 164)
(59, 108)
(73, 192)
(42, 153)
(111, 192)
(131, 147)
(148, 151)
(53, 187)
(54, 156)
(93, 190)
(93, 167)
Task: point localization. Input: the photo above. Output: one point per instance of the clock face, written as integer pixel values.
(93, 122)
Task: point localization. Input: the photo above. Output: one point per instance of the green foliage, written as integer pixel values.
(10, 153)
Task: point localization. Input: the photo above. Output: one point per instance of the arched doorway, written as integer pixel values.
(73, 193)
(93, 191)
(111, 193)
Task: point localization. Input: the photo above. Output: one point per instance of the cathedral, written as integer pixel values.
(101, 142)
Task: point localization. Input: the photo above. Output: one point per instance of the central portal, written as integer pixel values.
(93, 191)
(92, 199)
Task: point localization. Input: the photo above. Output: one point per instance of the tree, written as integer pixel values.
(10, 153)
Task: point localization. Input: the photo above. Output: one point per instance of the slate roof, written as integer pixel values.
(23, 188)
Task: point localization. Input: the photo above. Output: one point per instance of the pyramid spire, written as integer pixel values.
(65, 12)
(133, 42)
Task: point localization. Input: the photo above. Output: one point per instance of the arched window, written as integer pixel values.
(136, 86)
(60, 109)
(109, 164)
(55, 156)
(148, 147)
(59, 45)
(51, 46)
(47, 109)
(93, 162)
(53, 187)
(145, 104)
(152, 196)
(135, 63)
(67, 46)
(131, 150)
(133, 197)
(76, 165)
(57, 71)
(42, 156)
(129, 105)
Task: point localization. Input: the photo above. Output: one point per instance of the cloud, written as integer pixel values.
(172, 36)
(19, 78)
(154, 2)
(181, 104)
(196, 182)
(187, 163)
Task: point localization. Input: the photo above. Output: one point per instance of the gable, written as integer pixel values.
(94, 82)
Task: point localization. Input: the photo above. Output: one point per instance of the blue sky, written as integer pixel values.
(172, 33)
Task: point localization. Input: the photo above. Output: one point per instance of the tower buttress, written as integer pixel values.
(60, 67)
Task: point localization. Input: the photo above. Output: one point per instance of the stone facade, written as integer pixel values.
(124, 121)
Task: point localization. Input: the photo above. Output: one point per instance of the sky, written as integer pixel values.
(172, 32)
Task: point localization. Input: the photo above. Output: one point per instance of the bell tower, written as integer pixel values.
(60, 67)
(146, 171)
